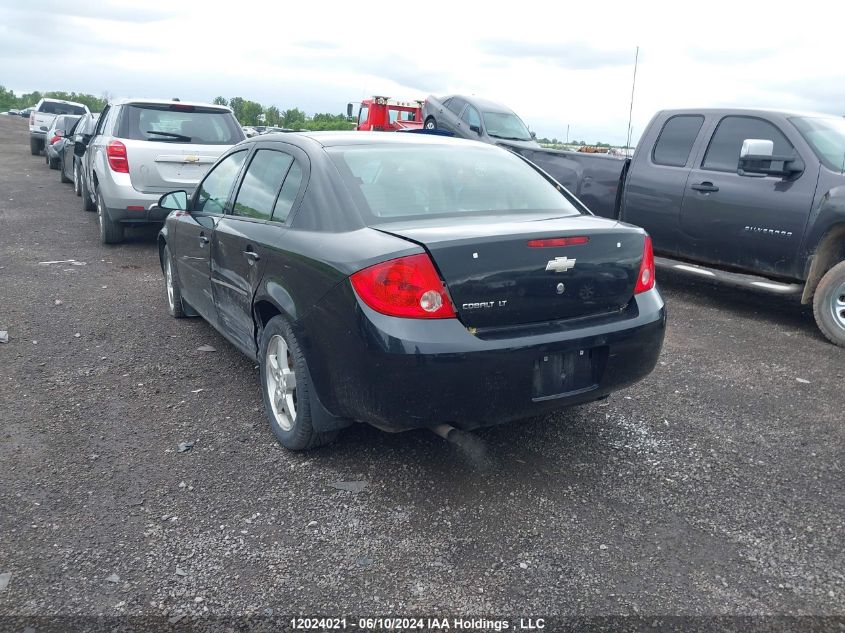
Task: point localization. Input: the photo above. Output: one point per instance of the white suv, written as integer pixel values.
(41, 118)
(143, 148)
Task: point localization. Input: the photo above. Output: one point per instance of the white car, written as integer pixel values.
(41, 118)
(143, 148)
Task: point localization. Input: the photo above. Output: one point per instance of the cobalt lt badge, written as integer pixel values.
(560, 264)
(560, 289)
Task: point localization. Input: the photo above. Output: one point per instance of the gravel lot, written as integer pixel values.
(713, 487)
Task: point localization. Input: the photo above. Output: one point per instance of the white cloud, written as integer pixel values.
(556, 64)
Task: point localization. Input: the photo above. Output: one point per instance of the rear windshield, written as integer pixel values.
(175, 123)
(51, 107)
(402, 181)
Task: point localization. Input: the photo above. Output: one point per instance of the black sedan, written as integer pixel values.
(70, 162)
(409, 281)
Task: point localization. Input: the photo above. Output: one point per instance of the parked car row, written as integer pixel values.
(407, 281)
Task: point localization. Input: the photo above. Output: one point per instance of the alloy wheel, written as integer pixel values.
(837, 306)
(168, 276)
(280, 382)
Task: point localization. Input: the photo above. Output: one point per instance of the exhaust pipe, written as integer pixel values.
(446, 431)
(472, 446)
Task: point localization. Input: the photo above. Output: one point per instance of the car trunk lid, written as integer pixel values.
(501, 271)
(162, 167)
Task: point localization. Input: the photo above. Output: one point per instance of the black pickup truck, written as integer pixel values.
(748, 197)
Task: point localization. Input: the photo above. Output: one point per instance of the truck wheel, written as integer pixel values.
(87, 203)
(111, 232)
(829, 304)
(34, 146)
(430, 123)
(285, 388)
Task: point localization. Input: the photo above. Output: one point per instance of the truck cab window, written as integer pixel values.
(676, 139)
(723, 151)
(363, 113)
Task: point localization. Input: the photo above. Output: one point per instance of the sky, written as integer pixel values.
(556, 64)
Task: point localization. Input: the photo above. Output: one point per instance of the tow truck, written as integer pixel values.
(383, 114)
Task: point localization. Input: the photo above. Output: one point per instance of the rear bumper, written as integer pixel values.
(400, 374)
(119, 196)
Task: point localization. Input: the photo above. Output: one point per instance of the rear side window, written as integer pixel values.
(398, 182)
(176, 123)
(723, 151)
(261, 183)
(471, 116)
(51, 107)
(456, 105)
(287, 195)
(676, 139)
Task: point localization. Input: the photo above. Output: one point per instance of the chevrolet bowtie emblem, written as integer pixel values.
(192, 159)
(560, 264)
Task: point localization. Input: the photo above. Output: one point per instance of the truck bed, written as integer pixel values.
(595, 179)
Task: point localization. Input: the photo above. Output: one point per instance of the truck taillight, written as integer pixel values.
(645, 280)
(406, 287)
(116, 153)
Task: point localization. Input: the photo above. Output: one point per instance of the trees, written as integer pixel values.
(220, 101)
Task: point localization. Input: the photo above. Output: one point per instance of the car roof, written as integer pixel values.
(198, 104)
(749, 111)
(482, 104)
(347, 138)
(51, 100)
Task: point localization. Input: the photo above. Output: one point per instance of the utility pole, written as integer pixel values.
(633, 85)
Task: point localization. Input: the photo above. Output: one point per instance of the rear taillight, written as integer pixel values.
(116, 153)
(645, 280)
(558, 241)
(406, 287)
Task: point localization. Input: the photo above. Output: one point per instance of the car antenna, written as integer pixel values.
(631, 110)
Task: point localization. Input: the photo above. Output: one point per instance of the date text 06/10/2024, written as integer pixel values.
(418, 624)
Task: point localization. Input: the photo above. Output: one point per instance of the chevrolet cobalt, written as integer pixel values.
(409, 281)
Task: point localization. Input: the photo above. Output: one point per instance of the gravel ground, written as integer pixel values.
(713, 487)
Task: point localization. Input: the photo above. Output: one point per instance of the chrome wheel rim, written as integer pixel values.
(168, 277)
(280, 382)
(837, 306)
(429, 125)
(100, 212)
(75, 179)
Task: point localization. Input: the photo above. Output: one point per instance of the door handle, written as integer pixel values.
(203, 240)
(251, 256)
(705, 187)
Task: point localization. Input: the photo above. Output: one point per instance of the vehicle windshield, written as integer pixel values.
(398, 182)
(826, 136)
(53, 107)
(506, 125)
(175, 123)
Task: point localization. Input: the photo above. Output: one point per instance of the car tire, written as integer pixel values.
(34, 146)
(111, 232)
(62, 175)
(77, 183)
(288, 405)
(431, 123)
(87, 202)
(53, 163)
(171, 285)
(829, 305)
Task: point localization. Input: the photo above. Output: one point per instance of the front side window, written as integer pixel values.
(398, 182)
(261, 183)
(363, 113)
(676, 139)
(178, 123)
(471, 116)
(506, 125)
(826, 137)
(214, 190)
(723, 151)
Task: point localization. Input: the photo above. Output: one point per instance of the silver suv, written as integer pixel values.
(143, 148)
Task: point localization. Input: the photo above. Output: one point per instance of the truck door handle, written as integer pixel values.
(705, 187)
(251, 256)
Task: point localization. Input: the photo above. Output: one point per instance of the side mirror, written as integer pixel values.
(757, 159)
(348, 110)
(79, 149)
(534, 135)
(174, 201)
(476, 129)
